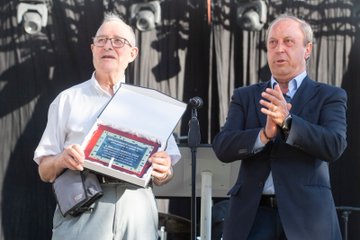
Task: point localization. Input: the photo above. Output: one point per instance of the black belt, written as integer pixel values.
(107, 180)
(268, 201)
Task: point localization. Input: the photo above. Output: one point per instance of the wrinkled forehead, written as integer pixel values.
(285, 27)
(117, 28)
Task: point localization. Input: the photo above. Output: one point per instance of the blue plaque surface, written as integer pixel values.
(120, 150)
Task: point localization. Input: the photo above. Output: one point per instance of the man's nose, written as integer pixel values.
(280, 46)
(108, 44)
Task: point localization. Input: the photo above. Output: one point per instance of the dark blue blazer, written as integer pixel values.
(299, 163)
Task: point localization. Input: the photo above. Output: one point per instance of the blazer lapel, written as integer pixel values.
(305, 93)
(307, 90)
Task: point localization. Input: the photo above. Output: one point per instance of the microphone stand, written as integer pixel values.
(345, 213)
(193, 142)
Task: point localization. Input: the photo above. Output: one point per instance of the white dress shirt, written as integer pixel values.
(72, 114)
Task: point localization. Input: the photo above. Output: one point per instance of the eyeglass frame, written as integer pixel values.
(122, 39)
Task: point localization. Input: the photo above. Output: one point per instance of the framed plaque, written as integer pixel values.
(123, 137)
(120, 150)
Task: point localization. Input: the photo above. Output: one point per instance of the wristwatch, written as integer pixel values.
(286, 124)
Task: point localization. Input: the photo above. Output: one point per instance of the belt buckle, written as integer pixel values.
(108, 180)
(272, 202)
(103, 179)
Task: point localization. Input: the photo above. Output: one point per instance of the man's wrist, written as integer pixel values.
(265, 135)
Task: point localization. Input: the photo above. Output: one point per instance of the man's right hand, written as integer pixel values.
(72, 157)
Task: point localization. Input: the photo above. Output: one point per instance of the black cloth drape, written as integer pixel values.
(184, 57)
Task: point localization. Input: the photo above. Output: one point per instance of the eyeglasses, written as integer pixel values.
(116, 42)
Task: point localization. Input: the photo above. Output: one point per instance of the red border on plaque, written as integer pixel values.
(97, 134)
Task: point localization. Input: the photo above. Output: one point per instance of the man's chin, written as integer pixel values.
(108, 69)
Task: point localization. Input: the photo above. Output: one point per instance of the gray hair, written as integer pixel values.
(113, 17)
(304, 26)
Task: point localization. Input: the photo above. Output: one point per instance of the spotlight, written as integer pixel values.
(251, 15)
(145, 15)
(34, 16)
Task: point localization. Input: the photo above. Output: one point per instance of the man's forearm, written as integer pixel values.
(49, 168)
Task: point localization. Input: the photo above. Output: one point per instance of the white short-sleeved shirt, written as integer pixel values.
(71, 116)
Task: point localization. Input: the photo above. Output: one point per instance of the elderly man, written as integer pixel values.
(125, 211)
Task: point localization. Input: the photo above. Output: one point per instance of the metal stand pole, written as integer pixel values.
(206, 204)
(345, 213)
(345, 216)
(193, 142)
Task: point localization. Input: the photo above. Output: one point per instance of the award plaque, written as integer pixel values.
(120, 150)
(134, 124)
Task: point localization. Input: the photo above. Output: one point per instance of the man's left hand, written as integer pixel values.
(162, 170)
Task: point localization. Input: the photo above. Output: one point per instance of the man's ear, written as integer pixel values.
(308, 50)
(133, 53)
(91, 46)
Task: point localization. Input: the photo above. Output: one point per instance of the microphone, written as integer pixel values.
(196, 102)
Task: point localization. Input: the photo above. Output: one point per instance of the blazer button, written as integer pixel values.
(261, 184)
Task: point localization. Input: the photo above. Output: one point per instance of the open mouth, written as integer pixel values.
(280, 61)
(108, 57)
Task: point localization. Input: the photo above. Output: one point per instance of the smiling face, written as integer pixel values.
(109, 60)
(287, 51)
